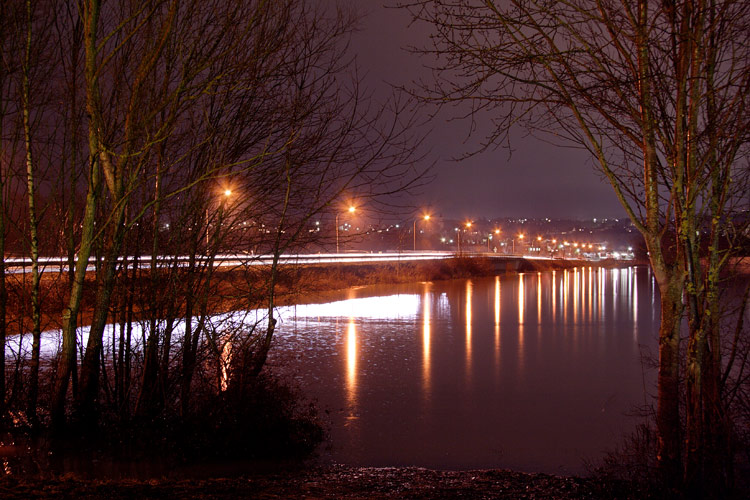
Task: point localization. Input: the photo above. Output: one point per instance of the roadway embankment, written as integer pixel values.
(245, 287)
(299, 281)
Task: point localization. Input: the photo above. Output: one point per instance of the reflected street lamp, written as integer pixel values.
(351, 211)
(414, 230)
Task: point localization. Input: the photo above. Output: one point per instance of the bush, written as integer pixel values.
(266, 420)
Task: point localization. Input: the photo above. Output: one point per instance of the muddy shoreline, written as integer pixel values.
(336, 482)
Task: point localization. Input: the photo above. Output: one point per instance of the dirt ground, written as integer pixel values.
(336, 482)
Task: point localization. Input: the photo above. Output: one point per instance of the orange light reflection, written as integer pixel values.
(521, 297)
(575, 295)
(468, 324)
(426, 333)
(539, 298)
(497, 321)
(554, 296)
(225, 359)
(351, 364)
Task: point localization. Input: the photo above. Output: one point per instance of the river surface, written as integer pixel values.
(536, 372)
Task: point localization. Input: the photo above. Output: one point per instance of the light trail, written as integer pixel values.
(60, 264)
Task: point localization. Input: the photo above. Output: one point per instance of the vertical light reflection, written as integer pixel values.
(554, 296)
(602, 281)
(539, 299)
(521, 294)
(591, 295)
(497, 300)
(615, 291)
(497, 321)
(630, 282)
(351, 364)
(225, 359)
(521, 297)
(468, 324)
(426, 333)
(635, 308)
(575, 295)
(565, 291)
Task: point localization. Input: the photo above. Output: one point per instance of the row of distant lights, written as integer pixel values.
(352, 209)
(521, 236)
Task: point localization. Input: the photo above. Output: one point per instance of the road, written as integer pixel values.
(59, 264)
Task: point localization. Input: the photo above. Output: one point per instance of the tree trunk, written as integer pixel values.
(67, 361)
(668, 384)
(3, 289)
(147, 397)
(88, 392)
(36, 330)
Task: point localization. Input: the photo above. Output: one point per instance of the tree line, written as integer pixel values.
(132, 130)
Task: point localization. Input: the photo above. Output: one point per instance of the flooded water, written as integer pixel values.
(534, 372)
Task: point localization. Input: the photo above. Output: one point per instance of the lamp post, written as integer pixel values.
(520, 237)
(458, 229)
(227, 193)
(351, 211)
(497, 232)
(414, 230)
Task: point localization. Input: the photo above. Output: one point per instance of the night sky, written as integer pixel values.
(537, 180)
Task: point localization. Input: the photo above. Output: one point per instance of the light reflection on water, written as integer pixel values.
(533, 371)
(426, 333)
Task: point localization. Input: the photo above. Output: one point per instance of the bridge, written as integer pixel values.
(506, 262)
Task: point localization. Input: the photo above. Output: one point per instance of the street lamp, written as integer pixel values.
(414, 230)
(520, 237)
(351, 211)
(458, 236)
(227, 193)
(468, 225)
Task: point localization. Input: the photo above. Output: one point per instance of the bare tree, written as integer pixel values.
(657, 93)
(150, 111)
(4, 71)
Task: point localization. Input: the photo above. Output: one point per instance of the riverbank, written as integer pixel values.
(295, 284)
(309, 283)
(336, 482)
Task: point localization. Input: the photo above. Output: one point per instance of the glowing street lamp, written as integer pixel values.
(520, 237)
(351, 211)
(414, 229)
(458, 235)
(227, 193)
